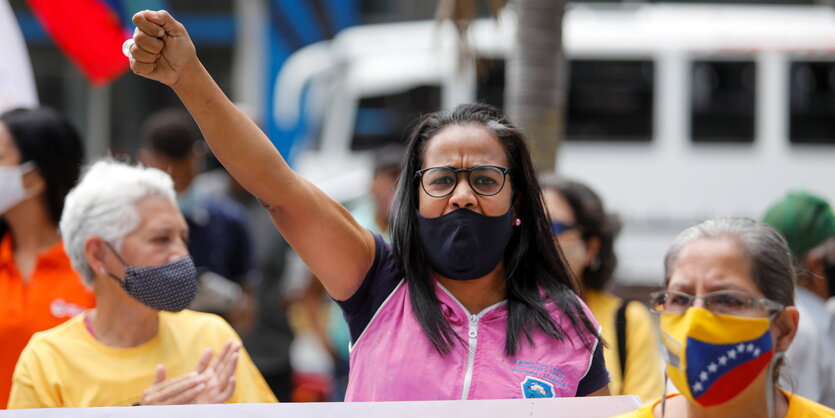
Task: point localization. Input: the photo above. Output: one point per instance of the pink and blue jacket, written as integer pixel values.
(393, 360)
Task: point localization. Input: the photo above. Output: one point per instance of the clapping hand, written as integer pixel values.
(210, 382)
(219, 377)
(176, 391)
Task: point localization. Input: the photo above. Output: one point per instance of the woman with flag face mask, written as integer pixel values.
(469, 301)
(40, 159)
(139, 346)
(726, 318)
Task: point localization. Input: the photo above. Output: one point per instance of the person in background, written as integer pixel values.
(374, 210)
(586, 235)
(265, 328)
(472, 271)
(806, 221)
(821, 263)
(40, 159)
(139, 346)
(371, 211)
(726, 319)
(268, 336)
(220, 243)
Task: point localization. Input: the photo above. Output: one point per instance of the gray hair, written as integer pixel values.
(772, 265)
(103, 204)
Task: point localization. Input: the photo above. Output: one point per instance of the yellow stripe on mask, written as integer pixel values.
(702, 325)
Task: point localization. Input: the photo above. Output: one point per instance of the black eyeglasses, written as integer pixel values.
(486, 180)
(729, 302)
(558, 227)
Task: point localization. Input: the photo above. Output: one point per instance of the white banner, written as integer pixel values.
(17, 84)
(583, 407)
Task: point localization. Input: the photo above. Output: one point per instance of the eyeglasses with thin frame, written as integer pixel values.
(486, 180)
(728, 302)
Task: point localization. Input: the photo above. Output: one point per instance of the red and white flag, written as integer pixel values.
(90, 32)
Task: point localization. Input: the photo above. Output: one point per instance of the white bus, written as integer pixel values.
(675, 112)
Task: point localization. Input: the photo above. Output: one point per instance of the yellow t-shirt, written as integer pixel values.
(643, 358)
(799, 407)
(66, 367)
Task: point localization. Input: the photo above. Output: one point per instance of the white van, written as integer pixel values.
(675, 112)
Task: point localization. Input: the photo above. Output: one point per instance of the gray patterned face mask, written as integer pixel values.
(168, 287)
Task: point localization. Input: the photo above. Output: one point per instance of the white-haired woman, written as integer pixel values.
(127, 239)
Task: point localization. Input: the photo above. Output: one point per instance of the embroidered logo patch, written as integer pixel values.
(537, 388)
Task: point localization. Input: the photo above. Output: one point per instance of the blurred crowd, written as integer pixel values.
(456, 274)
(291, 330)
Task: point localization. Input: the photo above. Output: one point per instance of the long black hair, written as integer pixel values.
(531, 258)
(593, 221)
(45, 137)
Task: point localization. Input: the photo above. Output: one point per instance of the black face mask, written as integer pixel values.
(465, 245)
(168, 287)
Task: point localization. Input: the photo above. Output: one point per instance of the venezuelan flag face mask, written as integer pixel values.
(710, 357)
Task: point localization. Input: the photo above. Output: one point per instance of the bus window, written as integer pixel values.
(610, 100)
(383, 120)
(490, 81)
(722, 101)
(812, 104)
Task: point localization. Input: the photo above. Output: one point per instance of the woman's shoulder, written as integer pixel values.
(803, 407)
(566, 314)
(188, 319)
(380, 280)
(602, 297)
(585, 307)
(58, 338)
(637, 312)
(70, 328)
(605, 306)
(602, 303)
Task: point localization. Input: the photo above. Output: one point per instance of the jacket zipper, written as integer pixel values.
(473, 340)
(472, 334)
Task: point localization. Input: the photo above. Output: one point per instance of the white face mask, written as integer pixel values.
(12, 191)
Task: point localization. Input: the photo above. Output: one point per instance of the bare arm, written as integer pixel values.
(322, 232)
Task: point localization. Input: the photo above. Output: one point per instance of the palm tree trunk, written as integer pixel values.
(535, 89)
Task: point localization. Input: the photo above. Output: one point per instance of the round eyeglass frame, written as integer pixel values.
(753, 302)
(419, 176)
